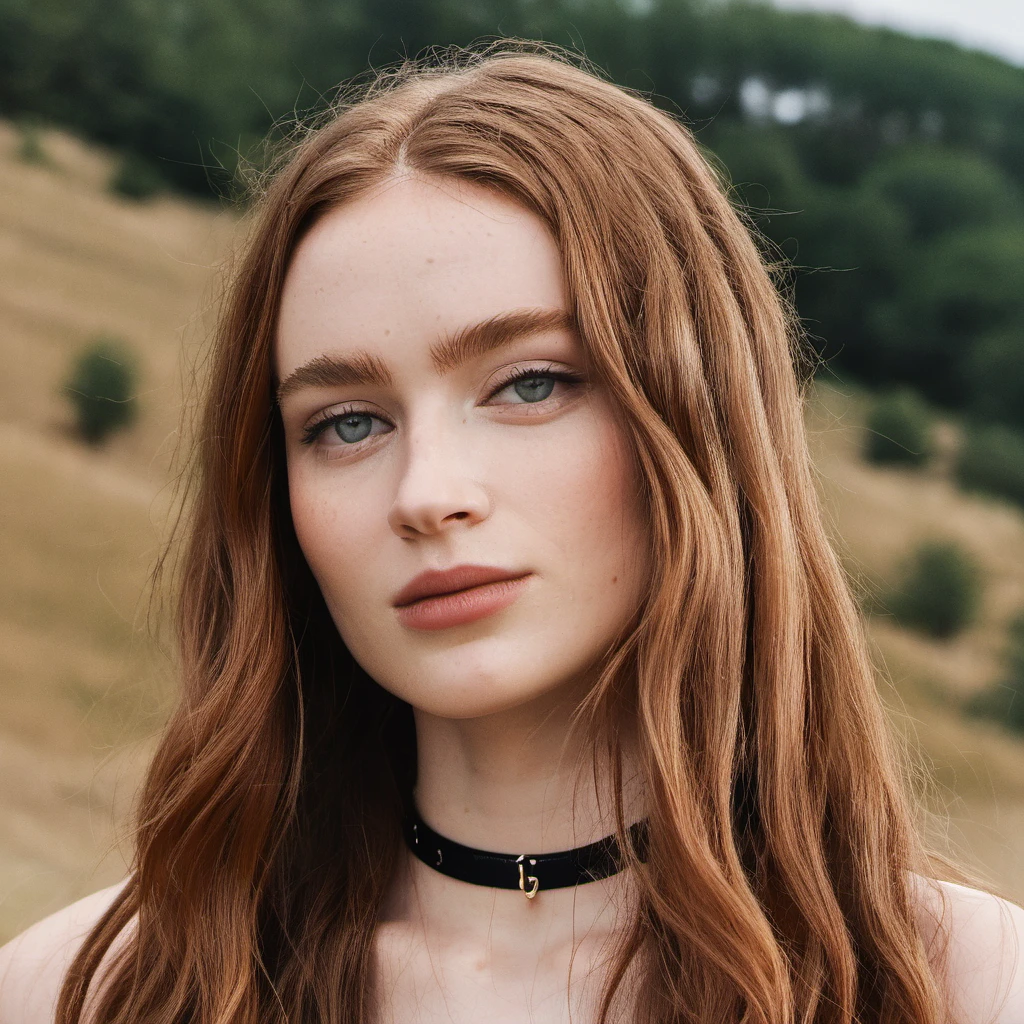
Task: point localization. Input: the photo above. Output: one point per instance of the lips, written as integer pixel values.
(435, 582)
(459, 596)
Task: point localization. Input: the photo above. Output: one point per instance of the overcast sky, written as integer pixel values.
(993, 25)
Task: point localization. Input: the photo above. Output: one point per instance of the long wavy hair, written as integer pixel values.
(778, 881)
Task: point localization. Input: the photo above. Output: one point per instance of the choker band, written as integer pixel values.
(528, 872)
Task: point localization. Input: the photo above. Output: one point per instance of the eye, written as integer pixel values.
(533, 385)
(353, 427)
(534, 389)
(345, 428)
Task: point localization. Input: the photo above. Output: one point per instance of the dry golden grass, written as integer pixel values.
(83, 686)
(974, 770)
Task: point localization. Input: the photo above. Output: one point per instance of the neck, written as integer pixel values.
(511, 782)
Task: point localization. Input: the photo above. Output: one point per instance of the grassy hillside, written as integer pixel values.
(971, 772)
(83, 688)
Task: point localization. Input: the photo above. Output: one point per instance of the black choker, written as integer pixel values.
(525, 871)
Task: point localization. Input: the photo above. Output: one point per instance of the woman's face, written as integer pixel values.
(439, 416)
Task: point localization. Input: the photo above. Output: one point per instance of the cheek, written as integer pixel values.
(330, 535)
(309, 513)
(593, 512)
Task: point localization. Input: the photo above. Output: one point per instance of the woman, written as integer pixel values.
(505, 544)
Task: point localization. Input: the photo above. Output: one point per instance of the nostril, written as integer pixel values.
(425, 508)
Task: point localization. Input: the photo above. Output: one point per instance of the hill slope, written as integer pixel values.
(81, 684)
(83, 688)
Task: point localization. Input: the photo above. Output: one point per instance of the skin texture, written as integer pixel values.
(458, 476)
(32, 966)
(454, 472)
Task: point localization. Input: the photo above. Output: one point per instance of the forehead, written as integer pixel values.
(413, 261)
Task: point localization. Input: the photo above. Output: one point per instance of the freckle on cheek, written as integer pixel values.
(615, 579)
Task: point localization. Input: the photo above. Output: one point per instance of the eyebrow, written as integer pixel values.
(450, 352)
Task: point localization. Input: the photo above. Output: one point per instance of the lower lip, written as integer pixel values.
(462, 607)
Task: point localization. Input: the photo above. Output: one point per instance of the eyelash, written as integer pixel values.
(315, 429)
(565, 376)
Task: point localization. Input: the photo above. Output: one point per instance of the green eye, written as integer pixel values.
(534, 389)
(353, 427)
(348, 427)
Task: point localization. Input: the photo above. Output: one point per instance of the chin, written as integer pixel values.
(486, 669)
(476, 699)
(459, 685)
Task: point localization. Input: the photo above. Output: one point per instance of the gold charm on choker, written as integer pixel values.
(524, 878)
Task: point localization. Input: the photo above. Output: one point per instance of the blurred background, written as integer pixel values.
(886, 165)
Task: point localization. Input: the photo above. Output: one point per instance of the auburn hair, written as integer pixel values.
(778, 884)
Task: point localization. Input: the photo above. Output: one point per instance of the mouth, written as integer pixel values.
(455, 597)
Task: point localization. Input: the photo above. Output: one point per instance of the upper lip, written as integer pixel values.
(435, 582)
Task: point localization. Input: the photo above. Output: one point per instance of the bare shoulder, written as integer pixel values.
(983, 939)
(33, 965)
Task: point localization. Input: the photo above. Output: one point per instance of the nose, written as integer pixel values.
(437, 490)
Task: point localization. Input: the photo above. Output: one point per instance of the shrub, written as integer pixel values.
(899, 430)
(995, 377)
(30, 144)
(1005, 700)
(101, 387)
(940, 590)
(136, 178)
(991, 460)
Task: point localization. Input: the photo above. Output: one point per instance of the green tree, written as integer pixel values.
(30, 144)
(1005, 700)
(995, 377)
(763, 168)
(899, 429)
(966, 286)
(853, 252)
(942, 190)
(940, 589)
(991, 460)
(136, 178)
(101, 389)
